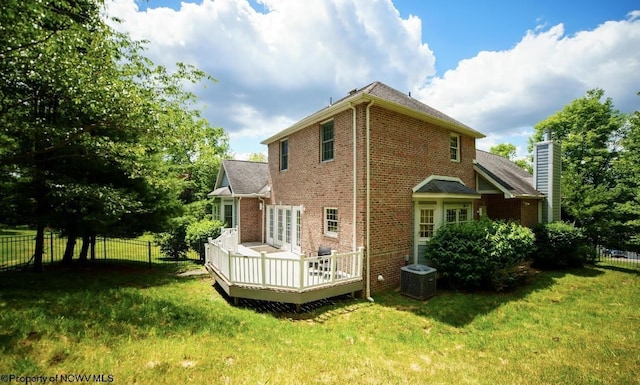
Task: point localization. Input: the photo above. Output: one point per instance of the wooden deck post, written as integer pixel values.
(263, 257)
(333, 265)
(302, 263)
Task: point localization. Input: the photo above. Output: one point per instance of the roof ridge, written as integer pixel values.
(244, 160)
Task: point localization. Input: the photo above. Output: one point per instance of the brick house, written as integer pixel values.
(240, 190)
(376, 169)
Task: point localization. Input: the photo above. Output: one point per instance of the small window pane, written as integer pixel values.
(451, 216)
(287, 221)
(298, 227)
(454, 147)
(331, 220)
(463, 215)
(284, 155)
(426, 223)
(228, 215)
(326, 140)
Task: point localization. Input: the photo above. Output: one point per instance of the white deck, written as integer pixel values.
(255, 267)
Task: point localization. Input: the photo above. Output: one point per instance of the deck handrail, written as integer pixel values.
(275, 272)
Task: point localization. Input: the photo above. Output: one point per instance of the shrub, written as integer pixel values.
(172, 243)
(480, 254)
(198, 232)
(561, 245)
(510, 244)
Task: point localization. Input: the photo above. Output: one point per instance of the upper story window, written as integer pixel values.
(454, 148)
(326, 141)
(284, 154)
(331, 221)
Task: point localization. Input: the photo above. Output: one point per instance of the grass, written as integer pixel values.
(149, 326)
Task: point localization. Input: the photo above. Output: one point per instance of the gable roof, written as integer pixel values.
(437, 186)
(505, 175)
(387, 97)
(242, 178)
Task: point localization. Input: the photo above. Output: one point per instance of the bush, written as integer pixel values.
(172, 243)
(480, 254)
(198, 232)
(561, 245)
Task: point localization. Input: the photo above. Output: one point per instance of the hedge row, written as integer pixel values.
(488, 254)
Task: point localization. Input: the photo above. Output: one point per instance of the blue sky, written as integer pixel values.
(498, 66)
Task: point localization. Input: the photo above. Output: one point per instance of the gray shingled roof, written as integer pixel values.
(439, 186)
(245, 178)
(506, 173)
(385, 92)
(390, 98)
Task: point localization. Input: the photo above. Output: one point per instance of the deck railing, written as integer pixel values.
(275, 272)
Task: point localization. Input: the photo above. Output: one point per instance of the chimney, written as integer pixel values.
(547, 165)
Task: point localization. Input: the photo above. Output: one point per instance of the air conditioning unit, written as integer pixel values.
(418, 281)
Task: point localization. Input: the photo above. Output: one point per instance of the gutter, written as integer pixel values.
(361, 96)
(368, 187)
(263, 209)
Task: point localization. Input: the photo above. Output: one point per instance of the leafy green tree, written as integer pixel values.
(508, 150)
(93, 133)
(257, 157)
(589, 130)
(627, 170)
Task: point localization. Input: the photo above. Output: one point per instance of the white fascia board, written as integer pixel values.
(346, 104)
(437, 177)
(444, 196)
(507, 193)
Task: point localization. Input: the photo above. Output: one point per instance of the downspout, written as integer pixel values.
(355, 181)
(238, 220)
(368, 241)
(264, 208)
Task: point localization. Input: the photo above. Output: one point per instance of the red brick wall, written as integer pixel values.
(315, 184)
(250, 220)
(404, 151)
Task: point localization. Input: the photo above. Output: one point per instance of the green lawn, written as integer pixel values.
(149, 326)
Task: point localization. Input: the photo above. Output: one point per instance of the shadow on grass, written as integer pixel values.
(621, 269)
(184, 259)
(104, 302)
(307, 311)
(458, 309)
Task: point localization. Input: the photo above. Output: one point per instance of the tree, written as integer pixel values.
(257, 157)
(508, 150)
(627, 170)
(92, 132)
(589, 130)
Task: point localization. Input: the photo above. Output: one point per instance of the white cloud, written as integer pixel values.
(278, 65)
(275, 67)
(506, 91)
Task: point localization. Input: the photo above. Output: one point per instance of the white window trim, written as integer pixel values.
(333, 234)
(457, 136)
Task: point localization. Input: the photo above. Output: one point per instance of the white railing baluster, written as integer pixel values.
(281, 272)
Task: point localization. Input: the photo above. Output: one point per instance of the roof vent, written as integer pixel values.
(353, 91)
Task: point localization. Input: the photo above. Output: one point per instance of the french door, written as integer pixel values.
(284, 227)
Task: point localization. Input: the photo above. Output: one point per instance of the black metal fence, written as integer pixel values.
(16, 252)
(618, 257)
